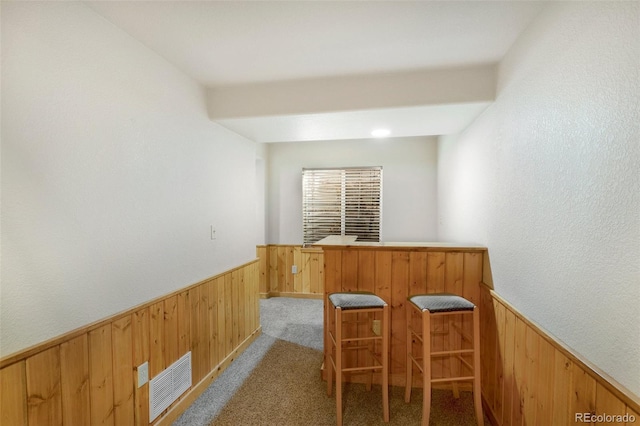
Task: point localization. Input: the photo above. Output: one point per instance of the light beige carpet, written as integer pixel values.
(285, 388)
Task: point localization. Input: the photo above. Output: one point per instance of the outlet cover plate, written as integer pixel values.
(376, 327)
(143, 374)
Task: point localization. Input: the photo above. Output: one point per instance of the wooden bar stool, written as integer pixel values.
(351, 305)
(421, 309)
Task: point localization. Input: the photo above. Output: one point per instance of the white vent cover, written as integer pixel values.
(167, 386)
(182, 375)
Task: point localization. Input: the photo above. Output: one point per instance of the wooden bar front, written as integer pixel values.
(395, 270)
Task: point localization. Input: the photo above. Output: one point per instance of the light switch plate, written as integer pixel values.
(143, 374)
(294, 269)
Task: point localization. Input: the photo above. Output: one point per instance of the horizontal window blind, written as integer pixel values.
(342, 201)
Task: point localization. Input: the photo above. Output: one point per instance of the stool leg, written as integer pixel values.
(385, 362)
(426, 367)
(454, 364)
(476, 368)
(409, 364)
(329, 348)
(370, 349)
(338, 367)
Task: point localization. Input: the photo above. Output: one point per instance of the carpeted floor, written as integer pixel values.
(276, 381)
(286, 389)
(282, 318)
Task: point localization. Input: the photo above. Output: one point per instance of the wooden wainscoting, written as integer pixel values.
(529, 378)
(89, 376)
(277, 278)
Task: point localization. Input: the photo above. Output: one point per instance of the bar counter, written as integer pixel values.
(394, 270)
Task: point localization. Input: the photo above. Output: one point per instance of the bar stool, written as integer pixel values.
(339, 306)
(421, 309)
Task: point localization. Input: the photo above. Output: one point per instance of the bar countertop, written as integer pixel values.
(350, 241)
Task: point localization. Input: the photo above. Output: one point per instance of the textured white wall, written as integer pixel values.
(409, 168)
(549, 179)
(112, 175)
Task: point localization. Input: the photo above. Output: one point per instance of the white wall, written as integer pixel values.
(549, 179)
(112, 175)
(409, 168)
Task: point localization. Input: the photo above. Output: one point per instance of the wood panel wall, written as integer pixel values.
(529, 378)
(276, 278)
(393, 274)
(89, 376)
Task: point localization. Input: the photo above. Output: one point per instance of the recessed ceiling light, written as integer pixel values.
(380, 133)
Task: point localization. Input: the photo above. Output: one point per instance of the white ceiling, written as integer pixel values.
(426, 120)
(234, 43)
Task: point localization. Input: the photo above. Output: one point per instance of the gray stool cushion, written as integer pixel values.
(356, 300)
(441, 302)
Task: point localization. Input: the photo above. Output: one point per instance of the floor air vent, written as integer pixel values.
(167, 386)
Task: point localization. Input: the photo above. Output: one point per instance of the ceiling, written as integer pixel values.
(227, 44)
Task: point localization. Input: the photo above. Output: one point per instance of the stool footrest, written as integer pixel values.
(417, 363)
(417, 335)
(469, 366)
(354, 339)
(445, 353)
(345, 347)
(352, 369)
(361, 339)
(452, 379)
(466, 336)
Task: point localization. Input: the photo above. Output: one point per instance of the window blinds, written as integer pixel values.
(342, 201)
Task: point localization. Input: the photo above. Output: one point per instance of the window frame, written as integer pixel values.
(358, 204)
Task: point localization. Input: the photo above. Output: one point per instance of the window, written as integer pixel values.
(345, 201)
